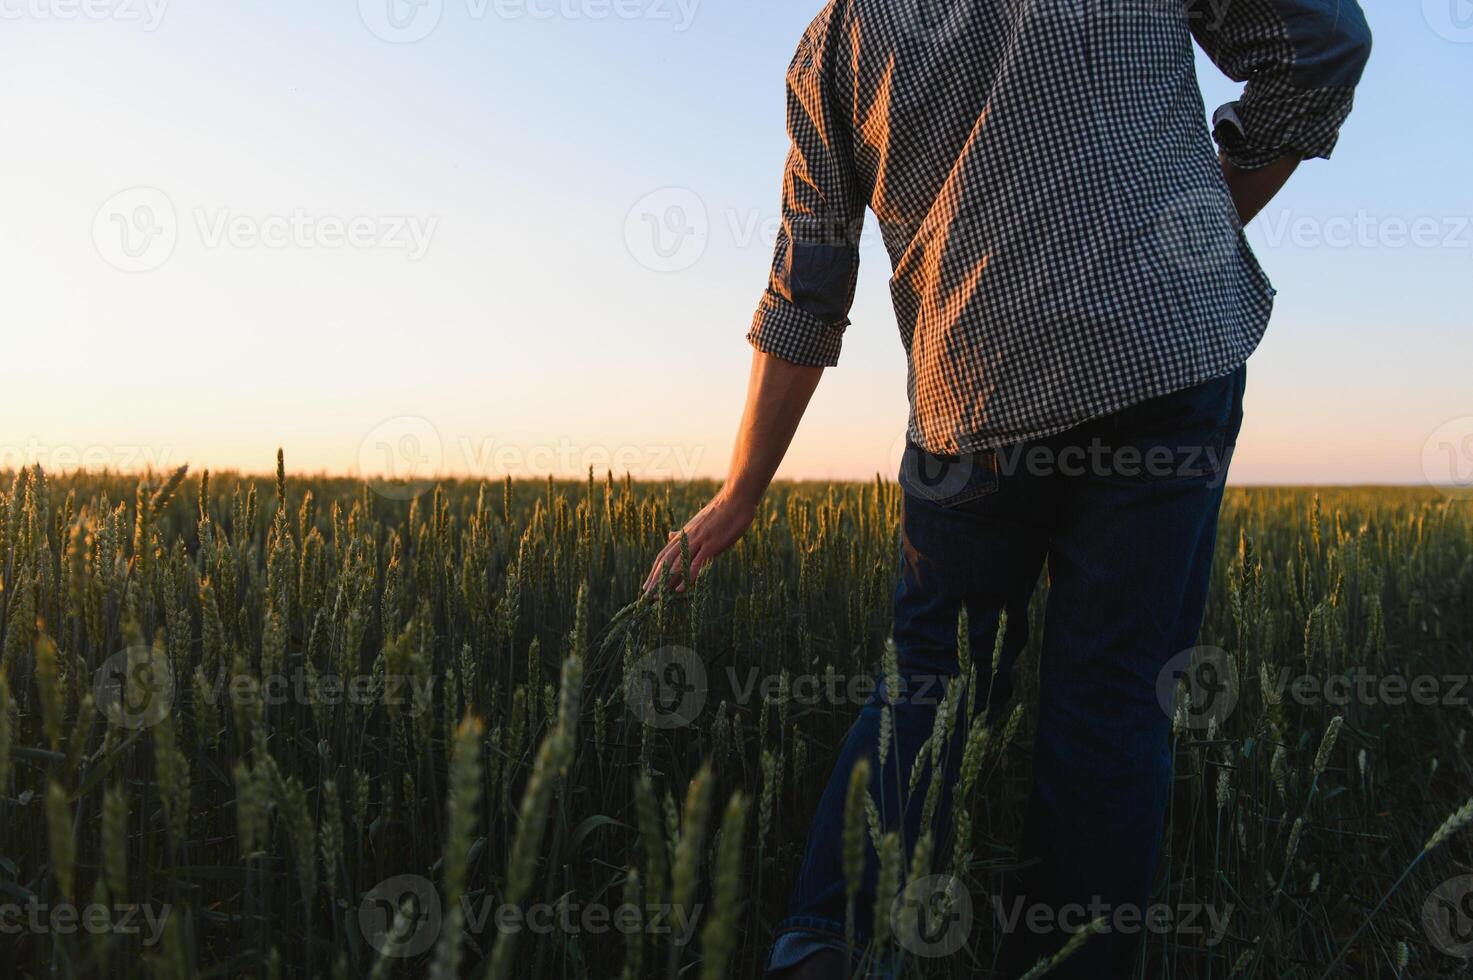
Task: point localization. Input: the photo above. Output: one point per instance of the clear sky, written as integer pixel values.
(235, 225)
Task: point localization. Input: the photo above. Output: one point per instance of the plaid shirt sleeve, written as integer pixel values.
(1301, 60)
(805, 308)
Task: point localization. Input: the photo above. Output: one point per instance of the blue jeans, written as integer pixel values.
(1123, 509)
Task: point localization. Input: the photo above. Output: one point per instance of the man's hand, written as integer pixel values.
(1253, 189)
(777, 395)
(716, 528)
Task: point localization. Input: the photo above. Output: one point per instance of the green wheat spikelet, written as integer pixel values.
(718, 939)
(464, 798)
(63, 846)
(853, 842)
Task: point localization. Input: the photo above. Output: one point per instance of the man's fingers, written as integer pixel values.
(662, 560)
(668, 561)
(678, 576)
(669, 557)
(700, 556)
(657, 569)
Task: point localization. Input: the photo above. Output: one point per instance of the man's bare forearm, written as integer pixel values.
(1253, 189)
(777, 395)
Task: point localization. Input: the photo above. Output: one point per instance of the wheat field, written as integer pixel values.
(315, 727)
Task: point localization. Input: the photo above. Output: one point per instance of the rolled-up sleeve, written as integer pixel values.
(805, 308)
(1301, 61)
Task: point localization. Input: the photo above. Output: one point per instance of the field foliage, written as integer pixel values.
(245, 704)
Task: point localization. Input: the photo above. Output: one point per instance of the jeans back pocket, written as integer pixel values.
(947, 480)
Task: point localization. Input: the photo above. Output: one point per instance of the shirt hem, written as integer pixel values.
(982, 442)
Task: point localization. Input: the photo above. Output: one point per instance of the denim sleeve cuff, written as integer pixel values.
(1279, 118)
(783, 330)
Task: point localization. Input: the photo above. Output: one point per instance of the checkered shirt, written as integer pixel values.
(1062, 241)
